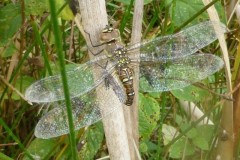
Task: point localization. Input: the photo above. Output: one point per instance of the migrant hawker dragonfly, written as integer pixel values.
(165, 63)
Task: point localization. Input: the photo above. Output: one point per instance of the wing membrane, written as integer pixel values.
(87, 109)
(181, 44)
(80, 80)
(178, 73)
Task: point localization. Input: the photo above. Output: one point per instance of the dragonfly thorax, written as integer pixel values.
(121, 57)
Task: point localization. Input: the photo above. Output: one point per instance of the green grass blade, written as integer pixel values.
(58, 42)
(125, 17)
(39, 41)
(4, 157)
(8, 130)
(195, 15)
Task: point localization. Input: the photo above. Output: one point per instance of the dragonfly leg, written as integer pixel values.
(107, 82)
(108, 78)
(103, 66)
(96, 52)
(94, 45)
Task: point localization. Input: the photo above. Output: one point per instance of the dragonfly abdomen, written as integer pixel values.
(126, 76)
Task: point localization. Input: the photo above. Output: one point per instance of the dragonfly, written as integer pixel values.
(165, 63)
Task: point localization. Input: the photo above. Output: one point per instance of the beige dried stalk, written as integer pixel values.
(94, 19)
(225, 146)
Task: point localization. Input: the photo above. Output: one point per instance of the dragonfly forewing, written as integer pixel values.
(81, 80)
(178, 73)
(181, 44)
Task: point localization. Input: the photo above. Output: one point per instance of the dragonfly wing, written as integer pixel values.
(178, 73)
(118, 88)
(86, 110)
(181, 44)
(80, 80)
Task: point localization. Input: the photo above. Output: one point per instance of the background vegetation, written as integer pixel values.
(28, 53)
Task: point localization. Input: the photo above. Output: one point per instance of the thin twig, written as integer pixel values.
(14, 89)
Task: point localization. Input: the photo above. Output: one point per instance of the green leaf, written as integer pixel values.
(36, 7)
(143, 83)
(41, 148)
(155, 94)
(149, 114)
(93, 137)
(182, 10)
(147, 146)
(180, 120)
(191, 93)
(66, 13)
(21, 85)
(203, 129)
(9, 51)
(181, 148)
(190, 134)
(10, 22)
(201, 143)
(204, 136)
(4, 157)
(143, 147)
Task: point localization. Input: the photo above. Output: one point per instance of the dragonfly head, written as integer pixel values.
(110, 35)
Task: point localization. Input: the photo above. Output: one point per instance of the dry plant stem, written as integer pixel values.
(13, 62)
(71, 42)
(234, 10)
(15, 58)
(135, 38)
(131, 113)
(14, 89)
(236, 117)
(225, 147)
(236, 96)
(238, 13)
(229, 7)
(94, 19)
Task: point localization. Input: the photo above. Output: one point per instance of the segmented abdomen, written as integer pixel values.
(126, 76)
